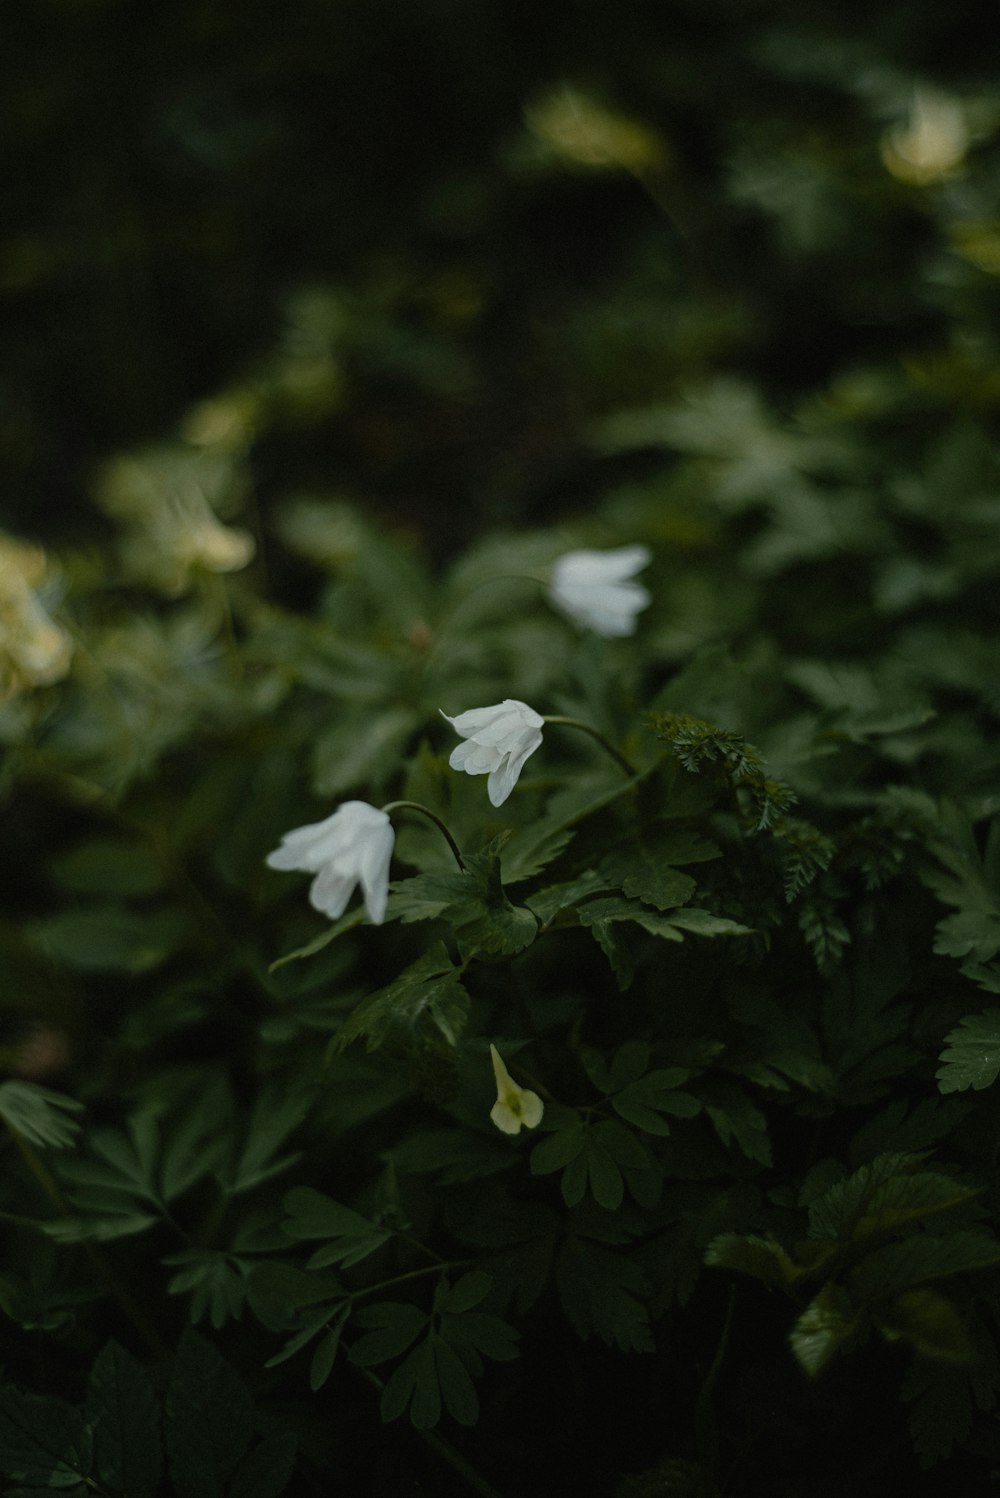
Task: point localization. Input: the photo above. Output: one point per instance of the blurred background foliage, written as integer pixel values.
(308, 311)
(424, 248)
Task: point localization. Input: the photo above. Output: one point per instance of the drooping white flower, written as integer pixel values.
(595, 588)
(351, 847)
(515, 1106)
(499, 740)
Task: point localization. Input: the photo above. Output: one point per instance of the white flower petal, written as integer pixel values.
(594, 588)
(499, 740)
(353, 846)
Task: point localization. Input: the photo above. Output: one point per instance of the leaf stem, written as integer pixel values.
(417, 806)
(563, 722)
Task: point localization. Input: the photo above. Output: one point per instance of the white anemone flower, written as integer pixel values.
(353, 846)
(515, 1107)
(595, 588)
(499, 740)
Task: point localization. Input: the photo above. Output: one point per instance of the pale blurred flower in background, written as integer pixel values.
(34, 651)
(595, 590)
(931, 144)
(168, 497)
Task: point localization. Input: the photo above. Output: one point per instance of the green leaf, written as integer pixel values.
(425, 1004)
(644, 1102)
(921, 1257)
(881, 1198)
(929, 1322)
(39, 1115)
(208, 1419)
(324, 1356)
(124, 1412)
(349, 1236)
(274, 1117)
(475, 904)
(414, 1383)
(110, 938)
(109, 866)
(362, 748)
(266, 1469)
(216, 1280)
(826, 1327)
(644, 874)
(559, 1148)
(43, 1440)
(394, 1324)
(460, 1398)
(602, 1293)
(763, 1259)
(347, 922)
(738, 1121)
(466, 1292)
(971, 1057)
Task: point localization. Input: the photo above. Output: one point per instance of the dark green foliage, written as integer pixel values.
(308, 387)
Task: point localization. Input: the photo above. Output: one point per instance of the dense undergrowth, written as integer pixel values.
(644, 1141)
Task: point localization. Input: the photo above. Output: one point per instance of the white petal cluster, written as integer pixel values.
(498, 741)
(595, 588)
(351, 847)
(515, 1107)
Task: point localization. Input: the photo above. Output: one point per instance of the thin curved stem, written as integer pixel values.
(416, 806)
(629, 768)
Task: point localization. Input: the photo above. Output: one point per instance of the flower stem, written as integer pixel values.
(629, 769)
(416, 806)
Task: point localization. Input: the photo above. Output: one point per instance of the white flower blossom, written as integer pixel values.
(499, 740)
(595, 588)
(351, 847)
(515, 1106)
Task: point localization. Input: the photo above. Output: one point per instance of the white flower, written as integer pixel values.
(594, 588)
(353, 846)
(500, 739)
(515, 1106)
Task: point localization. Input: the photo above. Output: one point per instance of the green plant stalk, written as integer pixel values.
(626, 765)
(417, 806)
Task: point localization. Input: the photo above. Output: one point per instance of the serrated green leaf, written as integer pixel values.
(602, 1293)
(425, 1004)
(971, 1057)
(643, 874)
(929, 1322)
(43, 1439)
(920, 1257)
(208, 1419)
(124, 1412)
(266, 1469)
(763, 1259)
(827, 1326)
(738, 1121)
(882, 1197)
